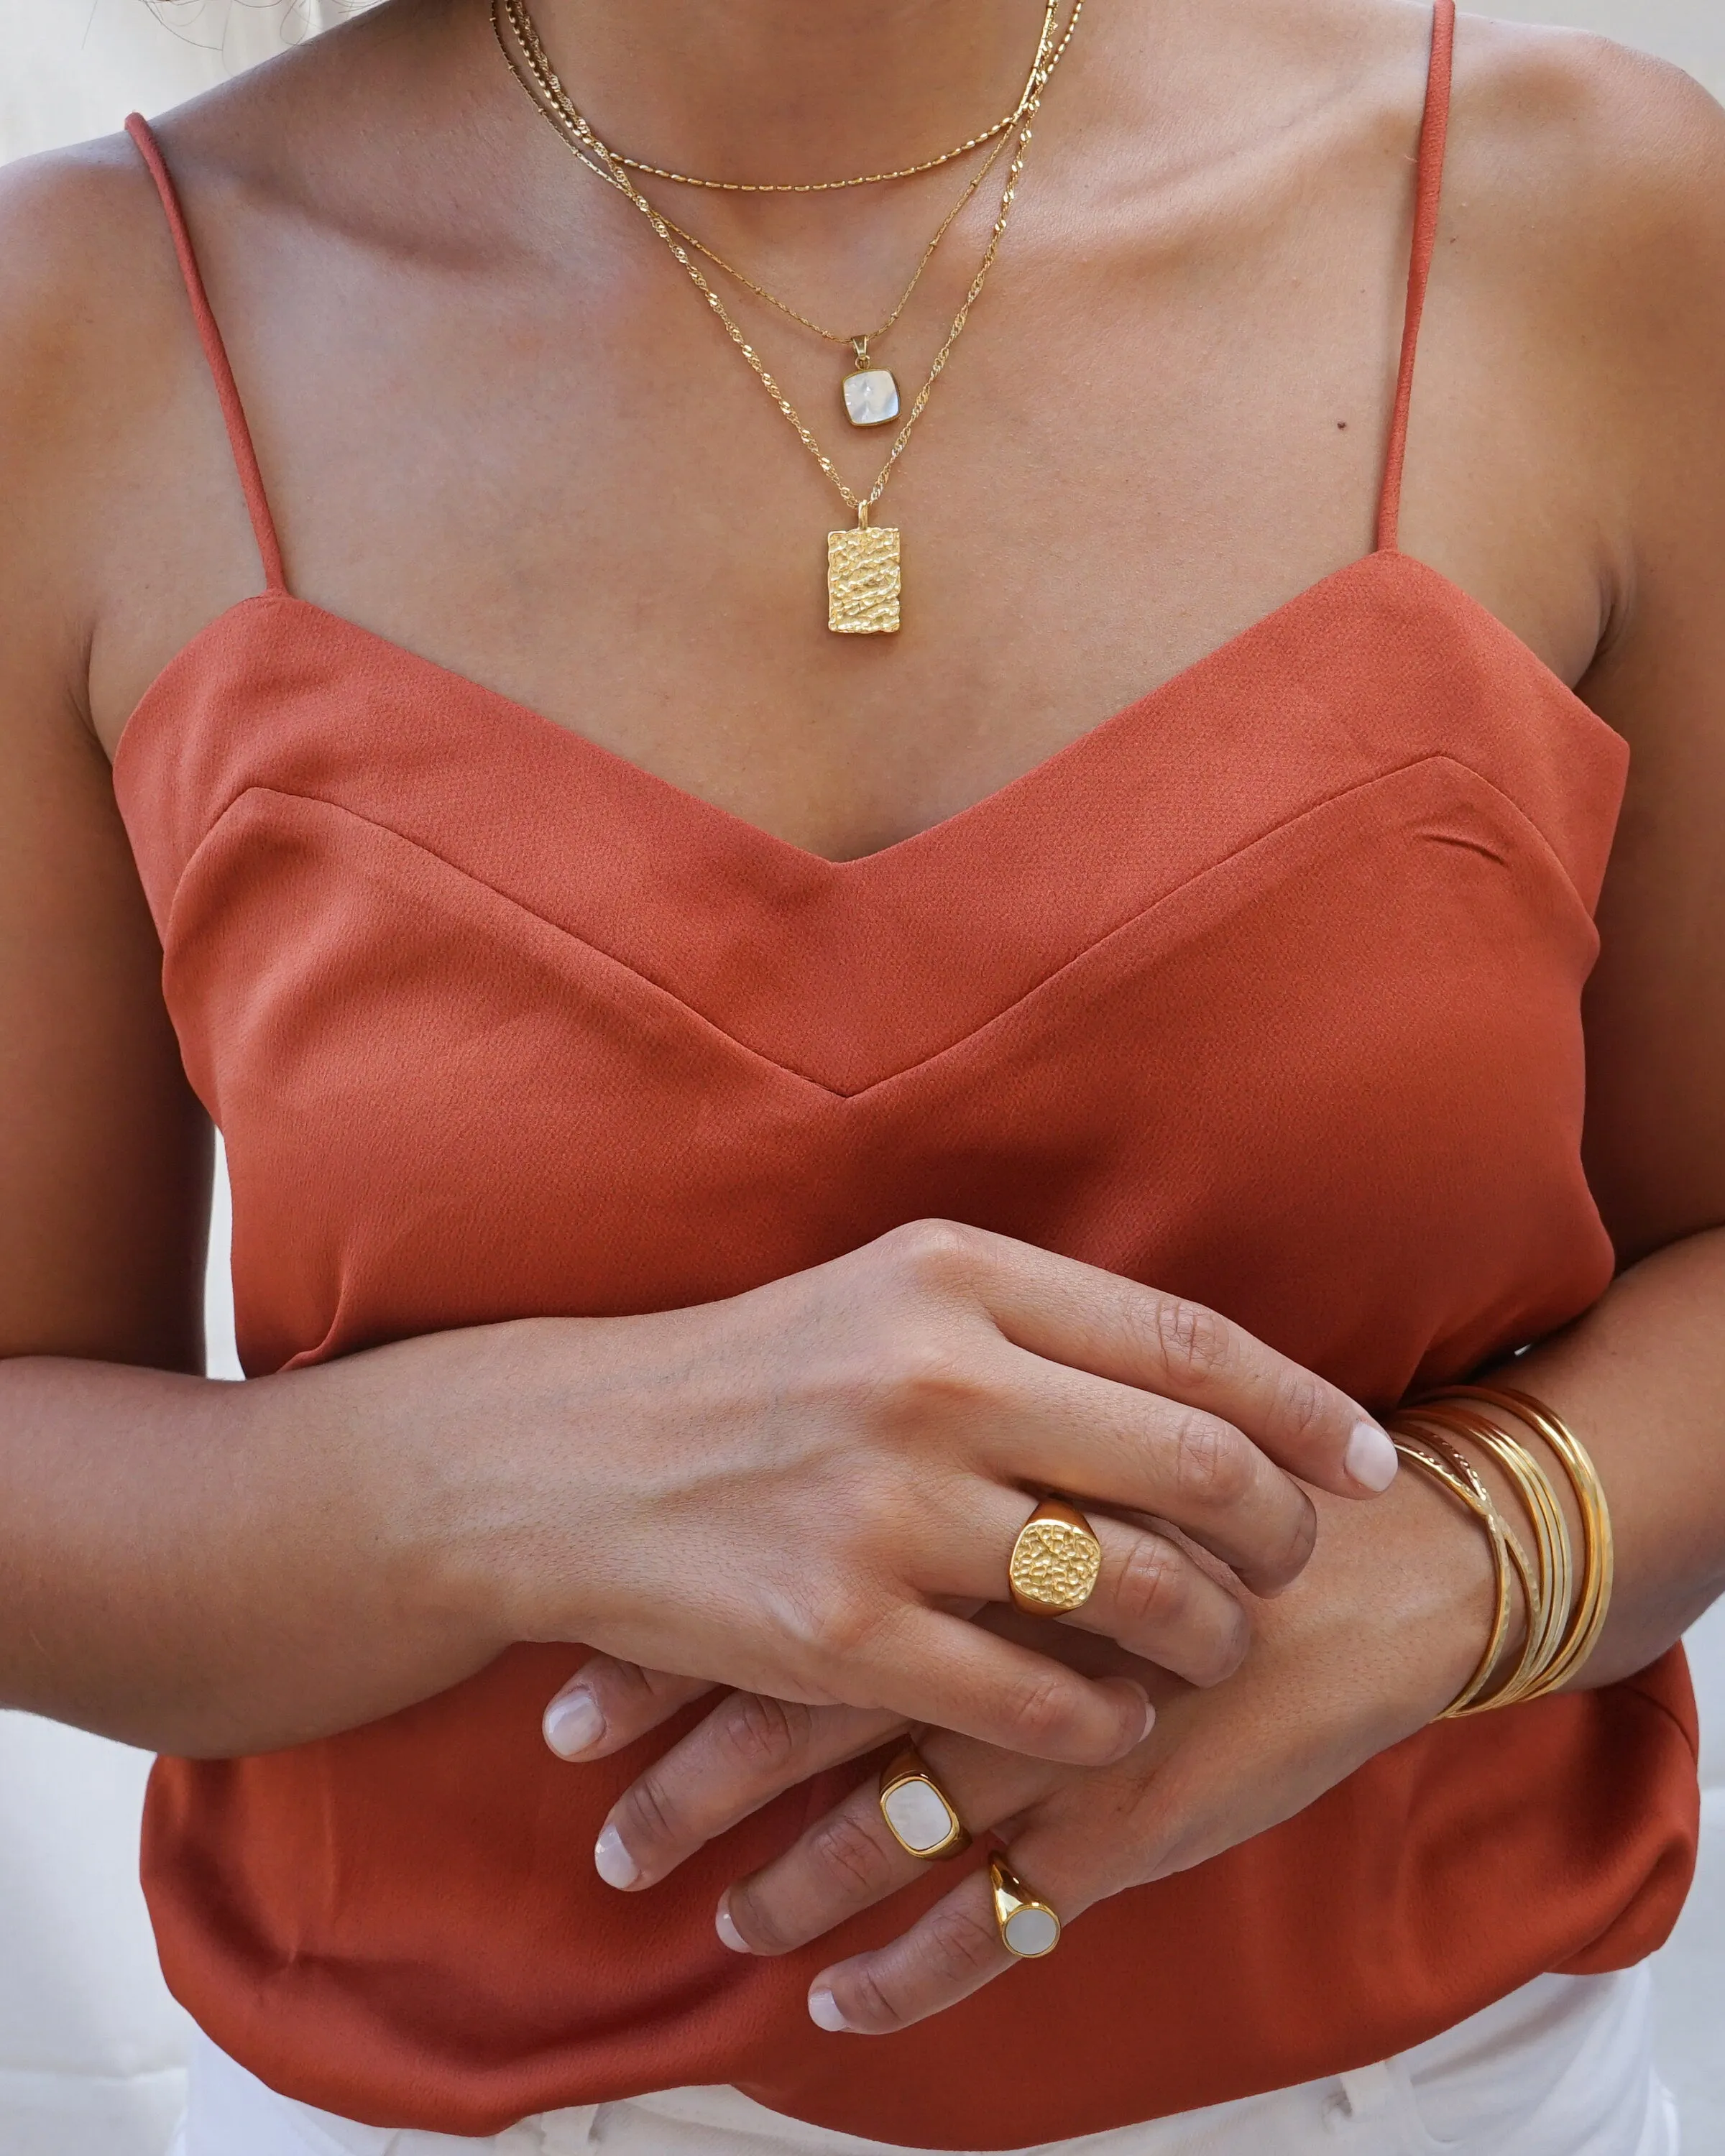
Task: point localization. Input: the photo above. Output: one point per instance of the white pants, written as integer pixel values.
(1562, 2067)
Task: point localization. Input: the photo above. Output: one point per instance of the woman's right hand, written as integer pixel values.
(805, 1490)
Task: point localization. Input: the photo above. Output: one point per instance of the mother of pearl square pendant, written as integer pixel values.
(871, 397)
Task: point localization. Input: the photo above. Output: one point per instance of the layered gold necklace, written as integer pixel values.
(864, 563)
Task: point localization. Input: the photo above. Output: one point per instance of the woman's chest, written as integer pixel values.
(1268, 990)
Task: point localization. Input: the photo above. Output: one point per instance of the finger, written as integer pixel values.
(608, 1704)
(1091, 1438)
(748, 1750)
(954, 1949)
(1153, 1600)
(849, 1859)
(1116, 1329)
(937, 1668)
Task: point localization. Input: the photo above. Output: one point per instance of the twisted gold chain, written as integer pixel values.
(1003, 125)
(580, 137)
(841, 337)
(562, 108)
(556, 106)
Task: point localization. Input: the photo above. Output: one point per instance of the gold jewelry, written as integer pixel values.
(1054, 1562)
(1564, 1625)
(1598, 1555)
(1001, 126)
(870, 394)
(1028, 1928)
(1550, 1600)
(863, 564)
(920, 1816)
(1469, 1491)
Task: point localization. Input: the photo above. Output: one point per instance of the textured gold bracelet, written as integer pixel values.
(1472, 1495)
(1536, 1575)
(1548, 1622)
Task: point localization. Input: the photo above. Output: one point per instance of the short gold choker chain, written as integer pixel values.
(863, 564)
(1003, 125)
(558, 106)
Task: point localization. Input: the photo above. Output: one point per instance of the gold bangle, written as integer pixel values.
(1480, 1506)
(1598, 1555)
(1536, 1577)
(1550, 1611)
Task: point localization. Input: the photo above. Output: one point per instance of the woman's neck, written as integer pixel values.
(790, 89)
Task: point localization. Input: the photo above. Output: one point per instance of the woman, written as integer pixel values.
(726, 1117)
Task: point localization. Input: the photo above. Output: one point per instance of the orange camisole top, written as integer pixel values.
(1265, 991)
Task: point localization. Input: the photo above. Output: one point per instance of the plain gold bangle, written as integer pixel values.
(1562, 1625)
(1598, 1555)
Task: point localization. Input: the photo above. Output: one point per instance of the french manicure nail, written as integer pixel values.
(1370, 1458)
(611, 1861)
(573, 1723)
(824, 2012)
(724, 1925)
(1149, 1713)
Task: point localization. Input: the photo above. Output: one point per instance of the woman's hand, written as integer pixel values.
(803, 1491)
(806, 1490)
(1380, 1632)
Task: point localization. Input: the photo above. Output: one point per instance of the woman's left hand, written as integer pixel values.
(1381, 1630)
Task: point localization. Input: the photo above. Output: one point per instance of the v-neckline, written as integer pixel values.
(1092, 741)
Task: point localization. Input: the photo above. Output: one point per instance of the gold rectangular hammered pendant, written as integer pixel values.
(863, 580)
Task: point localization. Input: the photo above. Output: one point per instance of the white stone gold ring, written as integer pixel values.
(1054, 1562)
(920, 1816)
(1028, 1928)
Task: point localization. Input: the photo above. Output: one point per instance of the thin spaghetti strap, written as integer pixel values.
(1433, 133)
(239, 435)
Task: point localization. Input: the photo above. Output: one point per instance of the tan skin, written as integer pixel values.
(499, 428)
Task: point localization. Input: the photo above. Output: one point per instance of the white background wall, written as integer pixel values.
(90, 2043)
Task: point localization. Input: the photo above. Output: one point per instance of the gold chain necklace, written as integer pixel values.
(1003, 125)
(869, 391)
(864, 568)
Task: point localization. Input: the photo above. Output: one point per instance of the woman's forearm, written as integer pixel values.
(788, 1491)
(210, 1569)
(1642, 1380)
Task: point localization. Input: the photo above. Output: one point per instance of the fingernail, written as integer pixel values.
(729, 1936)
(1370, 1458)
(1149, 1712)
(573, 1723)
(612, 1862)
(824, 2012)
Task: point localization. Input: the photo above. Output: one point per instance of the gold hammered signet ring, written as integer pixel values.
(1028, 1928)
(1054, 1562)
(920, 1816)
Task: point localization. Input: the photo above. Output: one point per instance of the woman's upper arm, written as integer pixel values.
(1655, 1007)
(103, 1151)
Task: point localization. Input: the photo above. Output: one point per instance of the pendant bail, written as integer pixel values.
(860, 346)
(862, 516)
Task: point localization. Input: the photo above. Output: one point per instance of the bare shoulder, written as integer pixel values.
(95, 329)
(113, 463)
(80, 252)
(1591, 165)
(85, 348)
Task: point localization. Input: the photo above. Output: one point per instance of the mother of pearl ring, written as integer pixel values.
(1028, 1928)
(920, 1816)
(1054, 1562)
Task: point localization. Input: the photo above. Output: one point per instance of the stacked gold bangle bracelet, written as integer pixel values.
(1565, 1614)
